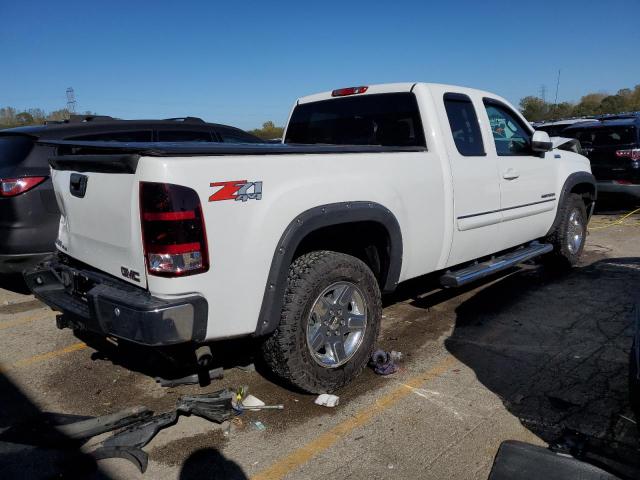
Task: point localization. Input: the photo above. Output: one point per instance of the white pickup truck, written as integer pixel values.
(293, 243)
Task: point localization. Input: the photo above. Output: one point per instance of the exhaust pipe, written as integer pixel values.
(204, 357)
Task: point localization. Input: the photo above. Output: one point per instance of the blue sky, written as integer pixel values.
(242, 63)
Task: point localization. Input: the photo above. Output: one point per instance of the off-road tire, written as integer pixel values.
(286, 352)
(562, 256)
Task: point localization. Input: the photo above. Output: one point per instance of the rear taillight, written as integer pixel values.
(10, 187)
(633, 154)
(173, 232)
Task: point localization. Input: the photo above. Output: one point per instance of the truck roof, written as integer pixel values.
(395, 88)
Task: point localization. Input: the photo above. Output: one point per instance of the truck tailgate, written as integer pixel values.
(100, 221)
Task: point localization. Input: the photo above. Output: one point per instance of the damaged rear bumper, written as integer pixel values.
(97, 302)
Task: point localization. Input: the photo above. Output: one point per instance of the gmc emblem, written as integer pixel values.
(130, 274)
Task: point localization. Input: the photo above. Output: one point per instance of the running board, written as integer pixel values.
(457, 278)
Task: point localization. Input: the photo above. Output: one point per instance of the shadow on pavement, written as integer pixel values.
(29, 445)
(14, 283)
(211, 464)
(168, 362)
(555, 349)
(609, 204)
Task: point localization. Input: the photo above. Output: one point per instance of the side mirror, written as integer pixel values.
(540, 142)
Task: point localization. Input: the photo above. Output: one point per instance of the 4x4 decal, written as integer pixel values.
(239, 190)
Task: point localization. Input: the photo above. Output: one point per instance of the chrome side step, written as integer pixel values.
(457, 278)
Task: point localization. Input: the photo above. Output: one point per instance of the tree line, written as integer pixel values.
(535, 109)
(11, 117)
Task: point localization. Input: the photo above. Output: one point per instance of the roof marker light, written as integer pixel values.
(341, 92)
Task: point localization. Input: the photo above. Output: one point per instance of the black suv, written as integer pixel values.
(29, 213)
(612, 144)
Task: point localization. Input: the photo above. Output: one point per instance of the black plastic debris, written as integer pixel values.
(384, 363)
(134, 427)
(128, 443)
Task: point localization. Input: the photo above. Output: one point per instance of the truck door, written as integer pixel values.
(476, 191)
(527, 178)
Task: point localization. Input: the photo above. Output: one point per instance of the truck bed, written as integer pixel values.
(179, 149)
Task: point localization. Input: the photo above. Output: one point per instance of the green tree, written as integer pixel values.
(612, 104)
(24, 118)
(59, 115)
(269, 131)
(589, 104)
(534, 109)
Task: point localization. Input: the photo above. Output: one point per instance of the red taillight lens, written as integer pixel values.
(633, 154)
(173, 232)
(10, 187)
(341, 92)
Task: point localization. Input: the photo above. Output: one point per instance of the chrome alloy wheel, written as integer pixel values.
(575, 231)
(336, 324)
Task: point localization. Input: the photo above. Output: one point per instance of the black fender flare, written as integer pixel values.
(571, 181)
(306, 223)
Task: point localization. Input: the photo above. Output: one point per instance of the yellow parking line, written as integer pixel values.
(21, 321)
(25, 362)
(302, 455)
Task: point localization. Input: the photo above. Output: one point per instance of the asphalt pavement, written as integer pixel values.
(527, 355)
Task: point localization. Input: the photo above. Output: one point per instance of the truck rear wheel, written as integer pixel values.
(329, 323)
(569, 237)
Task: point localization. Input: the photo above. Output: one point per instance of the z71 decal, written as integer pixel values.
(238, 190)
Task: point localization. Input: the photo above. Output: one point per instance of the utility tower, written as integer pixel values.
(71, 100)
(543, 93)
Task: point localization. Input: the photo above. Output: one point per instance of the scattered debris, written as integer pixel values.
(247, 368)
(259, 426)
(251, 401)
(95, 426)
(384, 363)
(327, 400)
(215, 374)
(135, 427)
(128, 443)
(135, 455)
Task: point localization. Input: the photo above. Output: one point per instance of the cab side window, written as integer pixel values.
(509, 134)
(464, 124)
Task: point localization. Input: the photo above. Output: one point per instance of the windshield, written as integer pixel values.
(389, 119)
(604, 136)
(14, 149)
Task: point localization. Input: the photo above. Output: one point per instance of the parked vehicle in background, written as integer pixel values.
(612, 145)
(294, 243)
(29, 215)
(555, 128)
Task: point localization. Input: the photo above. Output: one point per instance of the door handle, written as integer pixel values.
(510, 174)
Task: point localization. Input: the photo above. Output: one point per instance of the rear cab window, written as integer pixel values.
(14, 149)
(463, 121)
(385, 119)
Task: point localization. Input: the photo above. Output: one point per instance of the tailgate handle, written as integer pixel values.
(78, 185)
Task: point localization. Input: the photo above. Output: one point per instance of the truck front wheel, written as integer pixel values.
(329, 323)
(569, 237)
